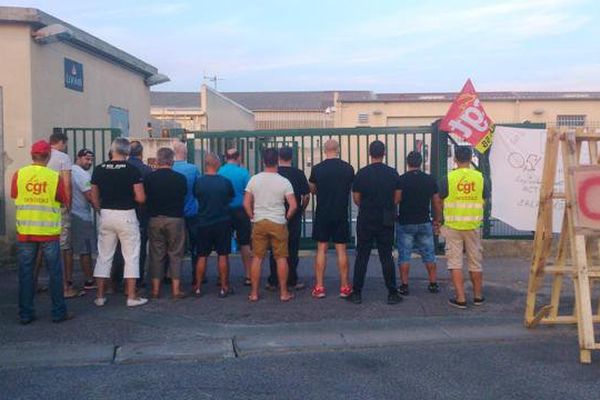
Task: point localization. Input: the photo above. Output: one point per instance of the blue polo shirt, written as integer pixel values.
(191, 173)
(239, 178)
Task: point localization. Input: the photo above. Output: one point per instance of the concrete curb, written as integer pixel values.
(240, 341)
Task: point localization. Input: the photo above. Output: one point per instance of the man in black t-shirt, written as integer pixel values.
(165, 191)
(214, 193)
(376, 192)
(331, 181)
(294, 224)
(116, 189)
(414, 230)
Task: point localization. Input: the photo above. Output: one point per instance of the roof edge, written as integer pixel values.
(79, 38)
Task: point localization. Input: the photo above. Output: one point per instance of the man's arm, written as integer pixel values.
(312, 187)
(356, 198)
(249, 204)
(65, 177)
(305, 200)
(397, 196)
(437, 208)
(94, 197)
(293, 205)
(139, 193)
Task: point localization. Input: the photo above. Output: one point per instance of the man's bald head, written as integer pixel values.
(212, 162)
(232, 155)
(180, 150)
(332, 148)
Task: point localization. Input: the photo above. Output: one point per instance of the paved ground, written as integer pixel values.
(212, 348)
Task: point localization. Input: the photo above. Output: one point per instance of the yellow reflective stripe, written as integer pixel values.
(50, 224)
(463, 205)
(462, 218)
(29, 207)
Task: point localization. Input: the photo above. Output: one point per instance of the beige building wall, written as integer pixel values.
(192, 119)
(15, 80)
(223, 114)
(105, 84)
(35, 99)
(293, 120)
(424, 113)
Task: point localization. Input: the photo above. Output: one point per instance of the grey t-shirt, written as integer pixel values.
(80, 181)
(59, 161)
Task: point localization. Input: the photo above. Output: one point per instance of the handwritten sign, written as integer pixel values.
(516, 162)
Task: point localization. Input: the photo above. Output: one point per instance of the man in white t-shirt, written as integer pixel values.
(61, 163)
(264, 202)
(83, 240)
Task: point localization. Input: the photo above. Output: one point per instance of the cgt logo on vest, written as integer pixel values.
(36, 187)
(465, 187)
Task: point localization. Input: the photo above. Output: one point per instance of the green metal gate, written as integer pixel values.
(308, 151)
(96, 139)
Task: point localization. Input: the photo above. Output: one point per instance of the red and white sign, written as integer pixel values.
(467, 119)
(587, 190)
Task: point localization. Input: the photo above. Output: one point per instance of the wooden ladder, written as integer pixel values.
(574, 252)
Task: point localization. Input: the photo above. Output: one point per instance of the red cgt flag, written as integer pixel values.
(467, 119)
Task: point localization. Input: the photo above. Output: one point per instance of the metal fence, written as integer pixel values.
(308, 150)
(96, 139)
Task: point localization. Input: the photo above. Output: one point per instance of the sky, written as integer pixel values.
(382, 46)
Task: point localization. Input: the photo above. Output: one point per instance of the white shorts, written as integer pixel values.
(118, 226)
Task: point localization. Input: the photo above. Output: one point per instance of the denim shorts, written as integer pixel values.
(417, 238)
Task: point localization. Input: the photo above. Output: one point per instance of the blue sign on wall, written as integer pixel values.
(73, 75)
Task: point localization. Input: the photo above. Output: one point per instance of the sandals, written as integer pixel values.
(252, 299)
(179, 296)
(197, 292)
(287, 298)
(247, 282)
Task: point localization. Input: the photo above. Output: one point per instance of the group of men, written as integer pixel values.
(173, 208)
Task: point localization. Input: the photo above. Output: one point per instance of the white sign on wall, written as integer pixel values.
(517, 163)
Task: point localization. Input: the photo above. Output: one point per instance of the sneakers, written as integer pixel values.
(394, 298)
(298, 286)
(433, 287)
(478, 301)
(355, 298)
(90, 285)
(458, 304)
(71, 293)
(345, 291)
(318, 292)
(139, 301)
(403, 289)
(100, 301)
(66, 317)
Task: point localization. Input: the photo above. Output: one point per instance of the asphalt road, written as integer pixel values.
(522, 369)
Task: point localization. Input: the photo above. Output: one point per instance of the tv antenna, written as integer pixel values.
(214, 79)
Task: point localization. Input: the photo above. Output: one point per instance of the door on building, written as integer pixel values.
(119, 119)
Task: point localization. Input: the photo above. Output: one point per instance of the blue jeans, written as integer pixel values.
(26, 255)
(417, 237)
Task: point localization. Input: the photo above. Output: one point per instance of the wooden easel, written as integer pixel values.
(573, 255)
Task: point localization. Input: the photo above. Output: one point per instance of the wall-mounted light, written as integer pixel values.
(52, 33)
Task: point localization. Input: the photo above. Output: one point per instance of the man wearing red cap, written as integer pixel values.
(38, 193)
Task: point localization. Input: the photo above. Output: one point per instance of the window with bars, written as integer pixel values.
(570, 120)
(363, 118)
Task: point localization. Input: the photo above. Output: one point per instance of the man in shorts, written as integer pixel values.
(240, 223)
(414, 228)
(264, 203)
(83, 241)
(331, 181)
(61, 163)
(214, 193)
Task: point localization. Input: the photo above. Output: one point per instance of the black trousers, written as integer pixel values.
(294, 226)
(384, 240)
(191, 226)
